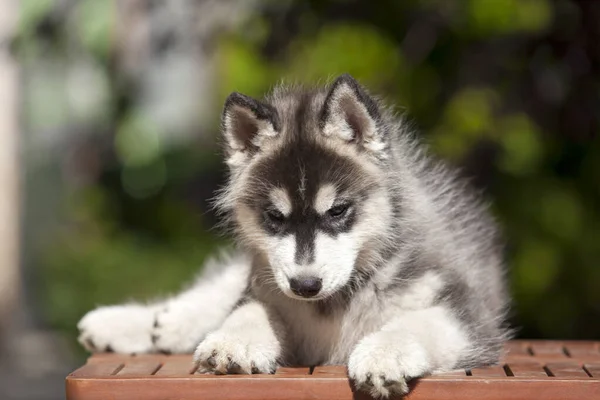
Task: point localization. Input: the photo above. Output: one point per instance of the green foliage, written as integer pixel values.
(137, 142)
(32, 11)
(493, 17)
(95, 26)
(309, 59)
(521, 143)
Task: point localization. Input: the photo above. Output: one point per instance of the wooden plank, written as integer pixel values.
(227, 387)
(296, 371)
(567, 370)
(504, 389)
(489, 372)
(528, 370)
(593, 369)
(330, 371)
(176, 367)
(550, 359)
(517, 347)
(545, 348)
(96, 369)
(144, 368)
(583, 348)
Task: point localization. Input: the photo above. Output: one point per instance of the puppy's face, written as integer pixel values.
(302, 190)
(311, 212)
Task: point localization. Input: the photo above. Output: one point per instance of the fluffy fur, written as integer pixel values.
(358, 248)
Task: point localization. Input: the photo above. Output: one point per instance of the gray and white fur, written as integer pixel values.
(356, 247)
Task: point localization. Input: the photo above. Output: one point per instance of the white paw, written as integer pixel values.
(382, 364)
(122, 329)
(180, 326)
(228, 352)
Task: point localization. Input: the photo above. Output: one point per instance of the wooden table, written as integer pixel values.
(548, 370)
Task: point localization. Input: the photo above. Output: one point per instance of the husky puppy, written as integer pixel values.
(357, 248)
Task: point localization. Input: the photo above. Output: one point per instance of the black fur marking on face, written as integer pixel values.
(305, 163)
(302, 115)
(305, 233)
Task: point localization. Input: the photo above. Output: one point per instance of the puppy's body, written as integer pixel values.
(360, 249)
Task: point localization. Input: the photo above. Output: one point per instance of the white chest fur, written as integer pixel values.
(315, 337)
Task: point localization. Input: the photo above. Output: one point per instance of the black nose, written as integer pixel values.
(306, 286)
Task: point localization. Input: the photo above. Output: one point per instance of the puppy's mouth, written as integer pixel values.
(316, 298)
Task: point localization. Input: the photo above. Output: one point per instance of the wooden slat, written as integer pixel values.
(548, 348)
(144, 368)
(545, 359)
(576, 349)
(299, 371)
(330, 371)
(567, 370)
(517, 347)
(529, 370)
(93, 369)
(593, 369)
(176, 367)
(489, 372)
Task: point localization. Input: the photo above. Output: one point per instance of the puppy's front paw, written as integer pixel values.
(382, 365)
(123, 329)
(224, 352)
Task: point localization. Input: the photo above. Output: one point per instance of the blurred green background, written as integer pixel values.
(121, 104)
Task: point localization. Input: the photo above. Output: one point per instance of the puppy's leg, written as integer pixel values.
(173, 326)
(125, 328)
(414, 344)
(248, 342)
(184, 320)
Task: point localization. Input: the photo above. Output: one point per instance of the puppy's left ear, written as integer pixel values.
(247, 124)
(349, 113)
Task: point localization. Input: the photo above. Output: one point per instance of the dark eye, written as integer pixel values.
(274, 216)
(338, 211)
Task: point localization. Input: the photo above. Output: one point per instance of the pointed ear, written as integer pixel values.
(351, 114)
(245, 124)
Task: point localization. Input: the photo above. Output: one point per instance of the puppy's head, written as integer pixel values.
(307, 186)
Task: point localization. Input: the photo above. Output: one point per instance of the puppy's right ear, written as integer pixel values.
(246, 123)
